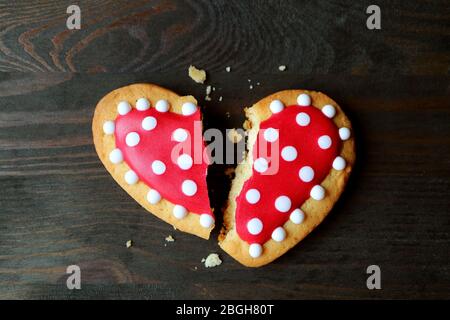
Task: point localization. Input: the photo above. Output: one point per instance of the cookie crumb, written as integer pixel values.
(208, 90)
(229, 172)
(214, 88)
(234, 136)
(212, 260)
(207, 98)
(249, 80)
(228, 69)
(258, 83)
(174, 228)
(220, 98)
(282, 68)
(198, 75)
(129, 243)
(169, 238)
(251, 87)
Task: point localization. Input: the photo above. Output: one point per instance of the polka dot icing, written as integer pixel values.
(179, 212)
(123, 108)
(276, 106)
(339, 163)
(306, 174)
(116, 156)
(158, 167)
(189, 187)
(297, 216)
(289, 153)
(149, 123)
(162, 106)
(329, 111)
(142, 104)
(131, 177)
(108, 127)
(184, 161)
(188, 108)
(206, 220)
(304, 100)
(252, 196)
(255, 250)
(132, 139)
(317, 192)
(324, 142)
(261, 165)
(295, 174)
(302, 119)
(255, 226)
(279, 234)
(344, 133)
(153, 196)
(283, 204)
(151, 157)
(180, 135)
(271, 135)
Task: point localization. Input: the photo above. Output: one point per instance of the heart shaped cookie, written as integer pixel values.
(299, 158)
(150, 140)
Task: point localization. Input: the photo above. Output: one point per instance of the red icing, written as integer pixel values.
(286, 181)
(157, 144)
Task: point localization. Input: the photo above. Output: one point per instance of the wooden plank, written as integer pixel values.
(60, 207)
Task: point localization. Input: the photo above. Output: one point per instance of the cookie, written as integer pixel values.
(150, 140)
(300, 155)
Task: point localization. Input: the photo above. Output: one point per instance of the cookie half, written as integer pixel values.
(150, 140)
(300, 155)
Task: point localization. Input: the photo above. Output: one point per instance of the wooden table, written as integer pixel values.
(59, 206)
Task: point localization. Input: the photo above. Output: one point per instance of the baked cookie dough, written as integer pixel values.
(300, 155)
(150, 140)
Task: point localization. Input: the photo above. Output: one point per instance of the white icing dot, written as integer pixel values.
(304, 100)
(158, 167)
(252, 196)
(289, 153)
(149, 123)
(206, 220)
(188, 108)
(189, 188)
(162, 106)
(179, 212)
(260, 165)
(302, 119)
(123, 108)
(109, 127)
(279, 234)
(317, 192)
(184, 162)
(132, 139)
(270, 134)
(283, 204)
(324, 142)
(306, 174)
(180, 135)
(255, 250)
(276, 106)
(254, 226)
(116, 156)
(344, 133)
(339, 163)
(153, 196)
(329, 111)
(142, 104)
(131, 177)
(297, 216)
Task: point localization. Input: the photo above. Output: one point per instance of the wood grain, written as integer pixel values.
(60, 207)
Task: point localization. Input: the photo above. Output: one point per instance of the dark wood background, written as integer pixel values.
(58, 205)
